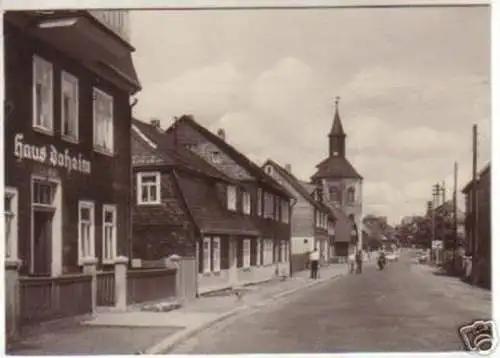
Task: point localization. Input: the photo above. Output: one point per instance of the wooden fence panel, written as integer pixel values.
(106, 288)
(49, 298)
(150, 285)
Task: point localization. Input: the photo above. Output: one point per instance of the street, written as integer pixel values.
(404, 308)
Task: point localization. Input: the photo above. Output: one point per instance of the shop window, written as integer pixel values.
(148, 188)
(103, 122)
(246, 253)
(231, 197)
(86, 227)
(10, 207)
(69, 106)
(43, 95)
(216, 254)
(206, 255)
(109, 233)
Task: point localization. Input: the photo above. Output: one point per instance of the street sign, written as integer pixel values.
(437, 244)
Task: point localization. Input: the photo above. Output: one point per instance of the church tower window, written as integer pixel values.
(351, 195)
(335, 195)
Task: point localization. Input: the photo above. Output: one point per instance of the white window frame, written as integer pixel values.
(141, 186)
(84, 204)
(246, 253)
(11, 240)
(113, 225)
(283, 247)
(285, 211)
(216, 254)
(231, 197)
(107, 147)
(39, 62)
(207, 262)
(69, 79)
(259, 259)
(247, 202)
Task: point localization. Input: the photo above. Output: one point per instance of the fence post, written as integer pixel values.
(89, 267)
(121, 283)
(12, 299)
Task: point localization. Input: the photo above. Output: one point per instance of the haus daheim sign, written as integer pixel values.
(49, 154)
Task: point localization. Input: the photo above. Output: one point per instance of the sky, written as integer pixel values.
(411, 81)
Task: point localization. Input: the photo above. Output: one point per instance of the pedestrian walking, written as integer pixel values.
(314, 262)
(359, 261)
(351, 262)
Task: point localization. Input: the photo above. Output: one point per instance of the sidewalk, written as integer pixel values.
(156, 332)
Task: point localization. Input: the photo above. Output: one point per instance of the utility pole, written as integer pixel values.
(474, 205)
(455, 234)
(443, 192)
(435, 202)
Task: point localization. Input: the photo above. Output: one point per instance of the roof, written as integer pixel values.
(336, 167)
(253, 168)
(297, 185)
(486, 170)
(207, 210)
(172, 154)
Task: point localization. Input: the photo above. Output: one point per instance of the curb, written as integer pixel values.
(172, 341)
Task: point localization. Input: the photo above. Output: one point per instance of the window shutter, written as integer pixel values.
(253, 252)
(200, 256)
(239, 252)
(224, 253)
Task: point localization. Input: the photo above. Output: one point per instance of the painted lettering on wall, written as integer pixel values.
(50, 155)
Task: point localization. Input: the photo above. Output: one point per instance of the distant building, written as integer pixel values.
(341, 186)
(311, 220)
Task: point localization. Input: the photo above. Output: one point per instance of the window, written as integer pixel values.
(285, 211)
(148, 188)
(216, 253)
(246, 253)
(69, 106)
(108, 233)
(206, 254)
(43, 193)
(334, 195)
(269, 170)
(259, 202)
(231, 197)
(216, 157)
(103, 122)
(258, 261)
(350, 195)
(85, 230)
(276, 208)
(247, 205)
(268, 206)
(268, 252)
(43, 95)
(10, 207)
(284, 251)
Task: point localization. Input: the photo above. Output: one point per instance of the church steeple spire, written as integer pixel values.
(337, 134)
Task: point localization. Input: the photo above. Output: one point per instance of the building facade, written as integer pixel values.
(478, 219)
(312, 222)
(341, 186)
(69, 79)
(243, 221)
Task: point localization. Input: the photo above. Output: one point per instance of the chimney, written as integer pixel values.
(222, 134)
(156, 123)
(288, 168)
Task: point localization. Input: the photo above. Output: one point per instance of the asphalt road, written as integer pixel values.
(405, 308)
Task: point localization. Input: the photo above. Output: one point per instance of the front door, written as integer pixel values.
(42, 242)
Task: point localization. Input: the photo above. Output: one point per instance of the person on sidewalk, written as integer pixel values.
(351, 262)
(359, 261)
(314, 262)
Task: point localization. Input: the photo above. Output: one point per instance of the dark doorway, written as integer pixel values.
(42, 242)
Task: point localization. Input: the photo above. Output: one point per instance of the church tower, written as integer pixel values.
(340, 184)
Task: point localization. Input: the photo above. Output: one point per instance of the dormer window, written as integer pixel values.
(269, 170)
(216, 157)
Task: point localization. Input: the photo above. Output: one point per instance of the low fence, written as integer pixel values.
(106, 288)
(150, 284)
(48, 298)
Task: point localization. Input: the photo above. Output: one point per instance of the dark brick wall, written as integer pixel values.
(109, 181)
(157, 242)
